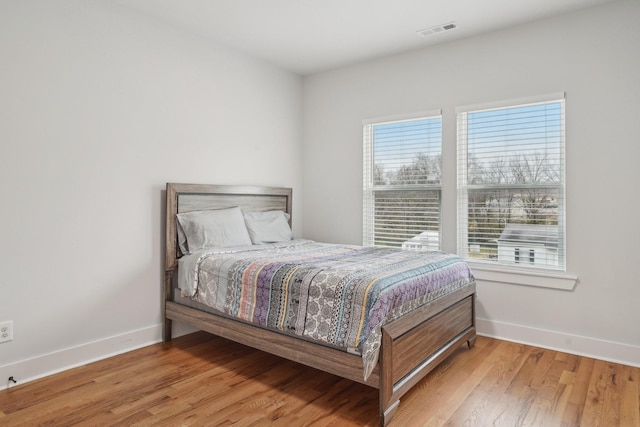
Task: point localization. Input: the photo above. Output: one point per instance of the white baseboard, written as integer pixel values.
(574, 344)
(58, 361)
(52, 363)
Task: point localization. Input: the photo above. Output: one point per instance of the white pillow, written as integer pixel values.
(212, 228)
(182, 239)
(268, 226)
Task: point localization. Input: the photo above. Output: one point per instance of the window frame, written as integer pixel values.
(370, 188)
(519, 273)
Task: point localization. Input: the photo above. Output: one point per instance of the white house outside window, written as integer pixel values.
(511, 184)
(402, 168)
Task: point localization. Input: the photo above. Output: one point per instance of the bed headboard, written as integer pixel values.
(192, 197)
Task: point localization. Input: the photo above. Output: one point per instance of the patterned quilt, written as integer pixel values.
(338, 295)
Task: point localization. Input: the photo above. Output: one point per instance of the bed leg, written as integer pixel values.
(166, 333)
(387, 414)
(387, 401)
(168, 293)
(471, 342)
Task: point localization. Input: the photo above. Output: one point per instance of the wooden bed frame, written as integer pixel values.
(411, 346)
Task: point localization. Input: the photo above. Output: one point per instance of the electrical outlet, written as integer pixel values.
(6, 331)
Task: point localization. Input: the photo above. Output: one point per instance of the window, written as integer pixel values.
(511, 184)
(402, 160)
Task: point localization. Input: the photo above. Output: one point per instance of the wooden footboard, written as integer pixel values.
(415, 344)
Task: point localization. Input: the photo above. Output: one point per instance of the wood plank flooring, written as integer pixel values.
(203, 380)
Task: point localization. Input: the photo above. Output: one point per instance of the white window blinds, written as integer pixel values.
(511, 188)
(402, 162)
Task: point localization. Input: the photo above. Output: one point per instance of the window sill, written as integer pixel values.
(541, 279)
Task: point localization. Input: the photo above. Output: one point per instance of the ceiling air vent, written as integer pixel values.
(437, 29)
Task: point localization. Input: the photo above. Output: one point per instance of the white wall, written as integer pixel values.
(99, 108)
(594, 57)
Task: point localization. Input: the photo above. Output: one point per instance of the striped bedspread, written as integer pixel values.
(339, 295)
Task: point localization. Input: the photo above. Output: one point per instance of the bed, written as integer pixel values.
(408, 348)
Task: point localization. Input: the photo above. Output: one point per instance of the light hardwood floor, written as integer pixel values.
(200, 379)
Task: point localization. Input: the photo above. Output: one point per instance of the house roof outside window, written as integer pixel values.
(540, 234)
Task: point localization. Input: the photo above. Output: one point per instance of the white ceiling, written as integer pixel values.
(307, 36)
